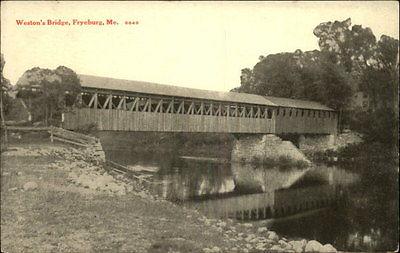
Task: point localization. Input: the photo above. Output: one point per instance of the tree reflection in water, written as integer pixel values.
(355, 206)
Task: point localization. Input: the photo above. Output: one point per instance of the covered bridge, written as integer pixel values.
(122, 105)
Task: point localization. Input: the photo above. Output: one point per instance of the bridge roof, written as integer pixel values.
(106, 83)
(297, 103)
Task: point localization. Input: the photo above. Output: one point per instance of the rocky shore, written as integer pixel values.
(53, 179)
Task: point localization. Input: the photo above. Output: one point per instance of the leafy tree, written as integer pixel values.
(349, 60)
(310, 75)
(5, 88)
(48, 91)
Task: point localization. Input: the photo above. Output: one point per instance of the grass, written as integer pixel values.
(58, 217)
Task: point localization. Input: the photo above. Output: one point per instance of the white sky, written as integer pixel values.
(193, 44)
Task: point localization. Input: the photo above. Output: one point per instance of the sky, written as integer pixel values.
(200, 45)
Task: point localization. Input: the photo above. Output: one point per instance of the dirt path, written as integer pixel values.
(54, 201)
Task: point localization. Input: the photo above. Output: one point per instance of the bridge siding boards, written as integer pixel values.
(122, 105)
(119, 120)
(304, 124)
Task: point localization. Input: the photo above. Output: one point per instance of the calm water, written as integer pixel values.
(353, 208)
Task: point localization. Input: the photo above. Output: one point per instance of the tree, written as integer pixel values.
(349, 60)
(309, 75)
(5, 88)
(5, 99)
(48, 92)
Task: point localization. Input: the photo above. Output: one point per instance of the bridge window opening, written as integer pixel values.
(207, 109)
(129, 102)
(214, 110)
(152, 105)
(309, 113)
(142, 104)
(101, 99)
(223, 110)
(302, 113)
(176, 105)
(197, 108)
(257, 112)
(245, 111)
(313, 114)
(277, 112)
(269, 114)
(171, 105)
(264, 112)
(249, 110)
(86, 97)
(232, 110)
(297, 113)
(186, 108)
(116, 101)
(283, 112)
(164, 105)
(290, 112)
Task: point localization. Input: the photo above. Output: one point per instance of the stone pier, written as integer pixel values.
(313, 143)
(267, 147)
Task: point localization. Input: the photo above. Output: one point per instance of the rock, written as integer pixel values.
(262, 229)
(262, 239)
(30, 186)
(216, 249)
(284, 245)
(19, 173)
(298, 246)
(208, 221)
(250, 237)
(276, 248)
(260, 246)
(234, 249)
(207, 250)
(328, 248)
(13, 189)
(221, 224)
(255, 240)
(247, 225)
(272, 236)
(313, 246)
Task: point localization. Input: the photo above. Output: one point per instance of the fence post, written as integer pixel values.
(51, 134)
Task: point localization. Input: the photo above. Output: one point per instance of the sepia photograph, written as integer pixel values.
(199, 126)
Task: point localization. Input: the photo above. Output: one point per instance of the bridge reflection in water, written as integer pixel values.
(245, 192)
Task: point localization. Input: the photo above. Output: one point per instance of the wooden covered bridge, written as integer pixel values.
(122, 105)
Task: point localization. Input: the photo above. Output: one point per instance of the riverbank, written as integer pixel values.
(53, 199)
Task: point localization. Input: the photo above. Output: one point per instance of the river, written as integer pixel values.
(353, 207)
